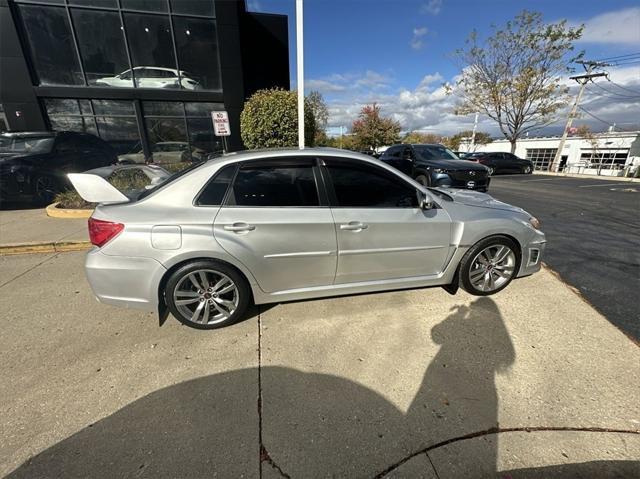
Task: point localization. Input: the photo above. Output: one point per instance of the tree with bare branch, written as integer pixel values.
(514, 77)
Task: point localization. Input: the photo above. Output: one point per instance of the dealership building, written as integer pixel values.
(608, 153)
(141, 74)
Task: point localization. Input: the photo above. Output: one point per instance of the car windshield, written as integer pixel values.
(169, 179)
(434, 152)
(26, 144)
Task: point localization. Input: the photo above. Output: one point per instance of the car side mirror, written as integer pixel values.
(424, 201)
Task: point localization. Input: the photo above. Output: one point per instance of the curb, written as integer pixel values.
(44, 247)
(588, 177)
(55, 212)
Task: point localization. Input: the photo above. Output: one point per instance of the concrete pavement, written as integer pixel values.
(402, 384)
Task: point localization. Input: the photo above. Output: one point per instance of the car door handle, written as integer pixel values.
(354, 226)
(239, 227)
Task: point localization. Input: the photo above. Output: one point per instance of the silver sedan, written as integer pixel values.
(281, 225)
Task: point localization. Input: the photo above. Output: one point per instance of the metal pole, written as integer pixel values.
(473, 135)
(300, 71)
(563, 140)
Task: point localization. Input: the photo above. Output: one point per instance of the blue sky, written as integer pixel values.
(398, 52)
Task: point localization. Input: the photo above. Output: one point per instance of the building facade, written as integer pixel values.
(144, 75)
(600, 153)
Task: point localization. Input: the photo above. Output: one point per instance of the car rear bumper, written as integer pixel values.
(128, 282)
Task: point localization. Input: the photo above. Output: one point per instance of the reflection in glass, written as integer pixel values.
(202, 109)
(96, 3)
(197, 47)
(168, 138)
(151, 50)
(202, 137)
(121, 134)
(113, 107)
(102, 47)
(84, 124)
(51, 45)
(57, 106)
(147, 5)
(163, 108)
(193, 7)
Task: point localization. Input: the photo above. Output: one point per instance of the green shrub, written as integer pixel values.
(70, 199)
(270, 120)
(175, 167)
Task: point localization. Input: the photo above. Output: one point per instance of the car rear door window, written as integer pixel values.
(214, 191)
(275, 185)
(367, 186)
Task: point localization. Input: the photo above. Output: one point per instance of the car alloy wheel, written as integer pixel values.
(489, 266)
(492, 268)
(526, 170)
(45, 189)
(491, 171)
(207, 294)
(423, 180)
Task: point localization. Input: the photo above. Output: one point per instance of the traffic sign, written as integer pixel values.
(220, 123)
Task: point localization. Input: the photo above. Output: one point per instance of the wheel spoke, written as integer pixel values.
(197, 312)
(485, 283)
(183, 302)
(502, 254)
(204, 280)
(187, 294)
(220, 310)
(227, 289)
(492, 283)
(225, 303)
(220, 284)
(205, 315)
(194, 281)
(476, 274)
(502, 274)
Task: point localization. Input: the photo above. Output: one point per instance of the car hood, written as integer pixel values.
(480, 200)
(454, 165)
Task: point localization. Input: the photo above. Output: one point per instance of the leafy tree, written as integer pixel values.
(270, 120)
(514, 77)
(370, 130)
(481, 139)
(416, 137)
(315, 102)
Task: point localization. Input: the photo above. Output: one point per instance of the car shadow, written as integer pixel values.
(308, 424)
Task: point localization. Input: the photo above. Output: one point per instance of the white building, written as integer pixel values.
(603, 153)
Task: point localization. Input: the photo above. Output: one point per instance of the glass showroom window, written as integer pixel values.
(193, 7)
(102, 47)
(145, 5)
(197, 47)
(541, 157)
(51, 45)
(151, 47)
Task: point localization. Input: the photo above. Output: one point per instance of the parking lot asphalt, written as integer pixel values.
(593, 232)
(400, 384)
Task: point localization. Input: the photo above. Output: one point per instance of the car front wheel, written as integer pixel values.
(423, 180)
(207, 294)
(489, 266)
(526, 170)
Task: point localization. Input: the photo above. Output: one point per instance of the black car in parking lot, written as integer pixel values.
(436, 165)
(34, 165)
(501, 162)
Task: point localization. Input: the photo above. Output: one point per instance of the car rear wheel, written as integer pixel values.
(491, 170)
(489, 266)
(423, 180)
(207, 294)
(526, 170)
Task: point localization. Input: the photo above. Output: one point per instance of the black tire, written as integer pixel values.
(527, 170)
(470, 256)
(180, 277)
(45, 188)
(423, 180)
(492, 170)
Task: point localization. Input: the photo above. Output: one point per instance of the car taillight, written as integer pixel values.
(101, 231)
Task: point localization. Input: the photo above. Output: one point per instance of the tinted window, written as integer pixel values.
(274, 186)
(434, 152)
(149, 5)
(51, 43)
(364, 186)
(391, 153)
(213, 193)
(194, 7)
(196, 39)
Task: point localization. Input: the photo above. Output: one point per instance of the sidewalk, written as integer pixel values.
(31, 230)
(529, 383)
(588, 177)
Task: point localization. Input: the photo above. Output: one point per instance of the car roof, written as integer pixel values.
(284, 152)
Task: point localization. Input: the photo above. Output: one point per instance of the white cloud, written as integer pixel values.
(428, 108)
(432, 7)
(617, 27)
(416, 41)
(324, 86)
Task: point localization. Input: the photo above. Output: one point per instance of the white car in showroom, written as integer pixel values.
(151, 77)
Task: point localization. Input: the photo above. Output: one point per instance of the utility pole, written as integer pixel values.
(473, 134)
(300, 71)
(582, 80)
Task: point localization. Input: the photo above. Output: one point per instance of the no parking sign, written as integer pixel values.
(220, 123)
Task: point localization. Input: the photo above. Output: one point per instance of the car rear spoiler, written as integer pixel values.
(95, 189)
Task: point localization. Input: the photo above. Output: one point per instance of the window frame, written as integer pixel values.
(331, 193)
(283, 162)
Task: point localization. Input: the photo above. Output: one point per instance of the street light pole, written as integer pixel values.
(473, 135)
(300, 72)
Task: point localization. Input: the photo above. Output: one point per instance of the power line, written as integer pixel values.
(595, 117)
(637, 92)
(618, 95)
(619, 64)
(619, 56)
